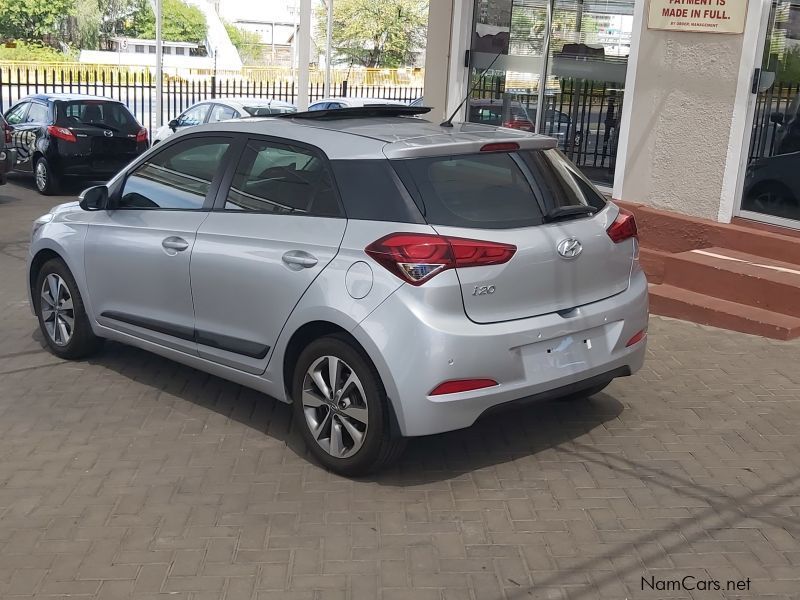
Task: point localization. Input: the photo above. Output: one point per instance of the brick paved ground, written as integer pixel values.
(130, 476)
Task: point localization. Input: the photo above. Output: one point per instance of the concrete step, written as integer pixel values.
(672, 301)
(736, 276)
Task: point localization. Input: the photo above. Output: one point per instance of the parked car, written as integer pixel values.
(7, 153)
(772, 183)
(334, 103)
(73, 135)
(388, 276)
(222, 109)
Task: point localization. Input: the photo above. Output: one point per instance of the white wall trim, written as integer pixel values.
(743, 111)
(639, 18)
(460, 42)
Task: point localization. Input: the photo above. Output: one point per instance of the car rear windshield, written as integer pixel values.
(496, 190)
(266, 111)
(95, 112)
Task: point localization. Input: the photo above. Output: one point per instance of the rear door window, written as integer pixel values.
(37, 113)
(222, 113)
(282, 179)
(194, 116)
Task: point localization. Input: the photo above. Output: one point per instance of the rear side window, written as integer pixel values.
(371, 191)
(91, 112)
(475, 190)
(558, 183)
(493, 190)
(37, 113)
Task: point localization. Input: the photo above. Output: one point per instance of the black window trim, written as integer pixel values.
(230, 172)
(119, 185)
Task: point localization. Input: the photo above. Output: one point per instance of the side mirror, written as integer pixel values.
(776, 117)
(94, 198)
(173, 124)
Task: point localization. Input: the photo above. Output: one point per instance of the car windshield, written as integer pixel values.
(95, 112)
(265, 110)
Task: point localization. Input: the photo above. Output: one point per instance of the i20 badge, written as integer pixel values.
(569, 248)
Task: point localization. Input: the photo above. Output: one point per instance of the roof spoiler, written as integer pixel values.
(359, 112)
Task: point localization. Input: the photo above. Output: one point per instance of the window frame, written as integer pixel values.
(233, 150)
(233, 163)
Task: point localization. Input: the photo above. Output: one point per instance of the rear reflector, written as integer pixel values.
(62, 133)
(500, 147)
(623, 227)
(462, 385)
(417, 257)
(638, 337)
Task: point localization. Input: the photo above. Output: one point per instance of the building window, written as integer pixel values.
(139, 49)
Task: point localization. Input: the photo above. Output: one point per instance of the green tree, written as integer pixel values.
(248, 43)
(33, 20)
(181, 22)
(88, 17)
(375, 33)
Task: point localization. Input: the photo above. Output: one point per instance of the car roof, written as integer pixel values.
(67, 97)
(380, 137)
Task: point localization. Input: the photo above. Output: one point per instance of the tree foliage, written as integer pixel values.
(181, 22)
(248, 43)
(375, 33)
(33, 20)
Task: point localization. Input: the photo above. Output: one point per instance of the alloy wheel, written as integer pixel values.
(58, 313)
(41, 175)
(335, 406)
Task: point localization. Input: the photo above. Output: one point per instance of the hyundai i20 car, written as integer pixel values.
(388, 276)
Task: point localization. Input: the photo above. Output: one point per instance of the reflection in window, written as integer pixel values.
(179, 177)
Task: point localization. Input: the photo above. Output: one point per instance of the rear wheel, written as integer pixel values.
(341, 407)
(62, 316)
(45, 177)
(583, 394)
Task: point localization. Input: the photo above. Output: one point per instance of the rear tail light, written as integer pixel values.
(141, 136)
(417, 257)
(637, 337)
(623, 227)
(61, 133)
(8, 130)
(462, 385)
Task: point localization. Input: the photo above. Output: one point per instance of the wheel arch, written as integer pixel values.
(316, 329)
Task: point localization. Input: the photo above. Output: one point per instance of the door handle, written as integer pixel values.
(299, 259)
(175, 243)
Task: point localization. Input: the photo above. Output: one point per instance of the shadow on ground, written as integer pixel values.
(493, 440)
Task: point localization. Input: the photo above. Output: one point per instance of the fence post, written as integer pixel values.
(214, 86)
(344, 88)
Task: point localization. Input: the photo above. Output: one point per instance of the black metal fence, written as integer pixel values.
(583, 115)
(771, 106)
(138, 90)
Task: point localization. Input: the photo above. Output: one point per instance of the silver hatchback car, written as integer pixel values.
(389, 276)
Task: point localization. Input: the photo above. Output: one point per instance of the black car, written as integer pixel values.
(61, 135)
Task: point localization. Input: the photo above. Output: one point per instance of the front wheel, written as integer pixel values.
(62, 316)
(341, 408)
(45, 177)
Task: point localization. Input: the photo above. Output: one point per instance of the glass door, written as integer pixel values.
(772, 182)
(575, 52)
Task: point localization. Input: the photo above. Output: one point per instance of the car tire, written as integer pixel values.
(584, 394)
(45, 178)
(62, 316)
(332, 421)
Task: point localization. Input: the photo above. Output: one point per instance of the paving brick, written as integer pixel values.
(130, 476)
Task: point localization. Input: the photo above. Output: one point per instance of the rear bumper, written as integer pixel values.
(92, 166)
(415, 350)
